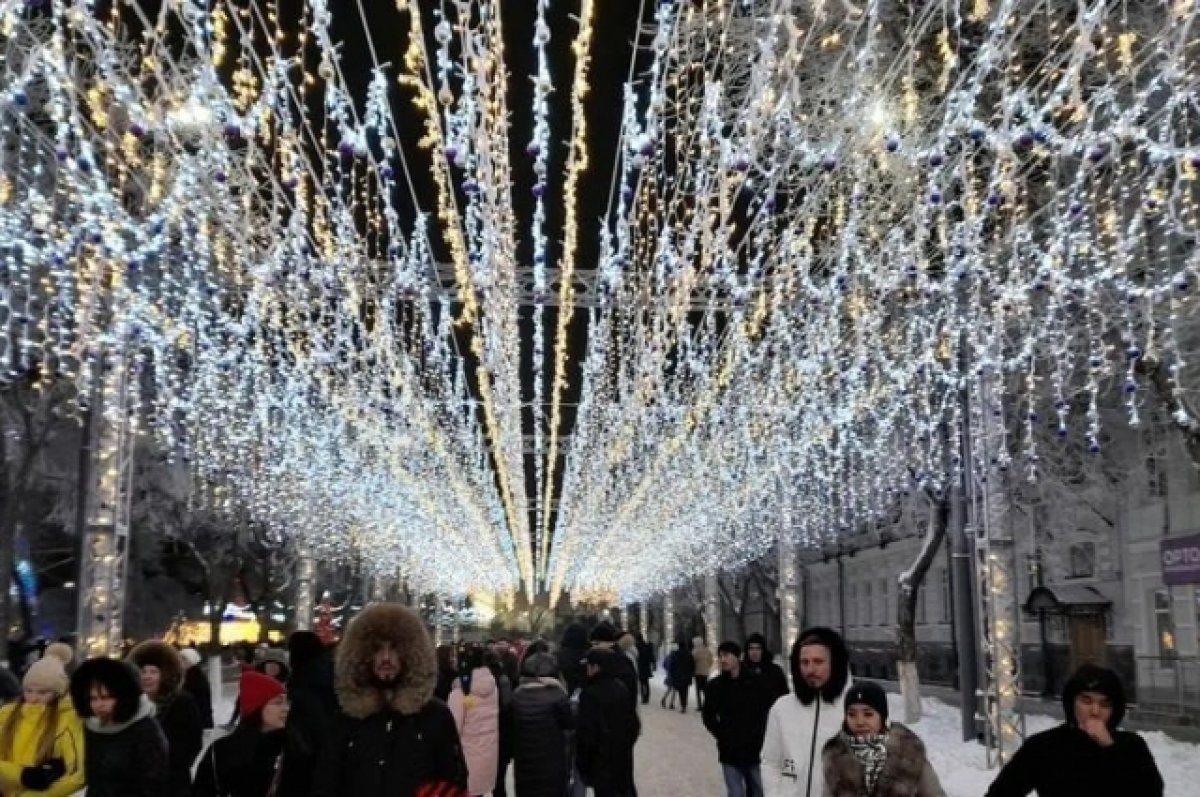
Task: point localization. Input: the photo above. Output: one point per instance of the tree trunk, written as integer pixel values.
(906, 608)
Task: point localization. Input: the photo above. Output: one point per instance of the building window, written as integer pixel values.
(1164, 624)
(1083, 560)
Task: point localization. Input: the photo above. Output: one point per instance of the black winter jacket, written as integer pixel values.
(542, 718)
(773, 680)
(390, 754)
(1066, 762)
(608, 727)
(645, 653)
(570, 657)
(195, 683)
(683, 669)
(314, 710)
(241, 764)
(128, 759)
(180, 722)
(735, 713)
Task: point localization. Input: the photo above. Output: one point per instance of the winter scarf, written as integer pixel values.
(871, 752)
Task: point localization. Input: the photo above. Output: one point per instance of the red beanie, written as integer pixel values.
(256, 690)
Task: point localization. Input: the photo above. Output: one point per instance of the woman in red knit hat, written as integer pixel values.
(246, 762)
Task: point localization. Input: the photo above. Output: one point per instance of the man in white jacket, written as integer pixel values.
(799, 724)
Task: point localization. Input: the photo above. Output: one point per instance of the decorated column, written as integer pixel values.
(789, 594)
(305, 583)
(712, 611)
(668, 619)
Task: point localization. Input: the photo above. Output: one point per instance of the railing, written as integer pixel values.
(1169, 685)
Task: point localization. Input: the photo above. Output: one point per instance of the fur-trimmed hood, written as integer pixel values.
(166, 658)
(358, 694)
(839, 665)
(906, 771)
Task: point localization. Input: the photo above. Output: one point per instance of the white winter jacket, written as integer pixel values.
(789, 752)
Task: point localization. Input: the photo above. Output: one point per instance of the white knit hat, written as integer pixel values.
(47, 673)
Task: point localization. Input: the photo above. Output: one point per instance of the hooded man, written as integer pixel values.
(799, 724)
(392, 736)
(759, 660)
(1087, 754)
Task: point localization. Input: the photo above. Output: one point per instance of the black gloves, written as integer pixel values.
(42, 776)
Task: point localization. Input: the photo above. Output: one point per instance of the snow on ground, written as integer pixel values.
(675, 755)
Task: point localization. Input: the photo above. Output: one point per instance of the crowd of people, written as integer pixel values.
(385, 714)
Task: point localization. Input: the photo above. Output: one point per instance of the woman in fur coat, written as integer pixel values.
(475, 704)
(161, 669)
(870, 758)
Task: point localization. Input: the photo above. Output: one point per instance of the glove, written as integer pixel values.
(42, 776)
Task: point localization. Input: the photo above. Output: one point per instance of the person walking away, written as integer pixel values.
(505, 689)
(870, 756)
(161, 671)
(604, 635)
(797, 724)
(704, 667)
(447, 671)
(475, 704)
(542, 721)
(195, 683)
(571, 650)
(246, 763)
(735, 713)
(645, 662)
(683, 671)
(1088, 754)
(41, 738)
(668, 665)
(608, 727)
(392, 737)
(760, 661)
(313, 709)
(126, 751)
(627, 644)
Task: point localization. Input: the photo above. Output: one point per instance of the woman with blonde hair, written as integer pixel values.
(41, 738)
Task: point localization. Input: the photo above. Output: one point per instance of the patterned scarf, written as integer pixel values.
(871, 752)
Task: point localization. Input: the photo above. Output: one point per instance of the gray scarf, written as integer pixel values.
(871, 752)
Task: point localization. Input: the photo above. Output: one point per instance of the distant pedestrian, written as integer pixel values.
(1088, 754)
(646, 661)
(798, 724)
(195, 683)
(760, 661)
(683, 672)
(704, 667)
(125, 749)
(161, 671)
(608, 727)
(627, 644)
(247, 762)
(41, 738)
(392, 738)
(447, 671)
(871, 756)
(542, 722)
(668, 665)
(735, 713)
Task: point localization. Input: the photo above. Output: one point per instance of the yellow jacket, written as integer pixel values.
(68, 745)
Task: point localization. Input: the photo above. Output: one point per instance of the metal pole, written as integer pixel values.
(105, 544)
(966, 640)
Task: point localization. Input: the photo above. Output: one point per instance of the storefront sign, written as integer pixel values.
(1181, 560)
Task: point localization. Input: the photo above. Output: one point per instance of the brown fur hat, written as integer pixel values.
(375, 625)
(153, 653)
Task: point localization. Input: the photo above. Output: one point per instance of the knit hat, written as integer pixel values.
(47, 673)
(256, 690)
(190, 656)
(61, 651)
(1091, 678)
(868, 693)
(604, 631)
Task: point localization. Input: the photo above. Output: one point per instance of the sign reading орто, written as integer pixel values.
(1181, 560)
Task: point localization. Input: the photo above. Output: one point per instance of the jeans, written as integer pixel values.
(742, 781)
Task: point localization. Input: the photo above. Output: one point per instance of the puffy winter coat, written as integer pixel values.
(127, 759)
(314, 708)
(682, 669)
(703, 657)
(477, 718)
(906, 770)
(607, 730)
(735, 713)
(175, 711)
(388, 742)
(765, 667)
(542, 719)
(68, 745)
(570, 654)
(242, 764)
(1065, 762)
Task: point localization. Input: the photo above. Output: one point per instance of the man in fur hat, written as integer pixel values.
(393, 737)
(799, 724)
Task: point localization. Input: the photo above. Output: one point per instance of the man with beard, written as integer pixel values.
(392, 737)
(798, 725)
(760, 661)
